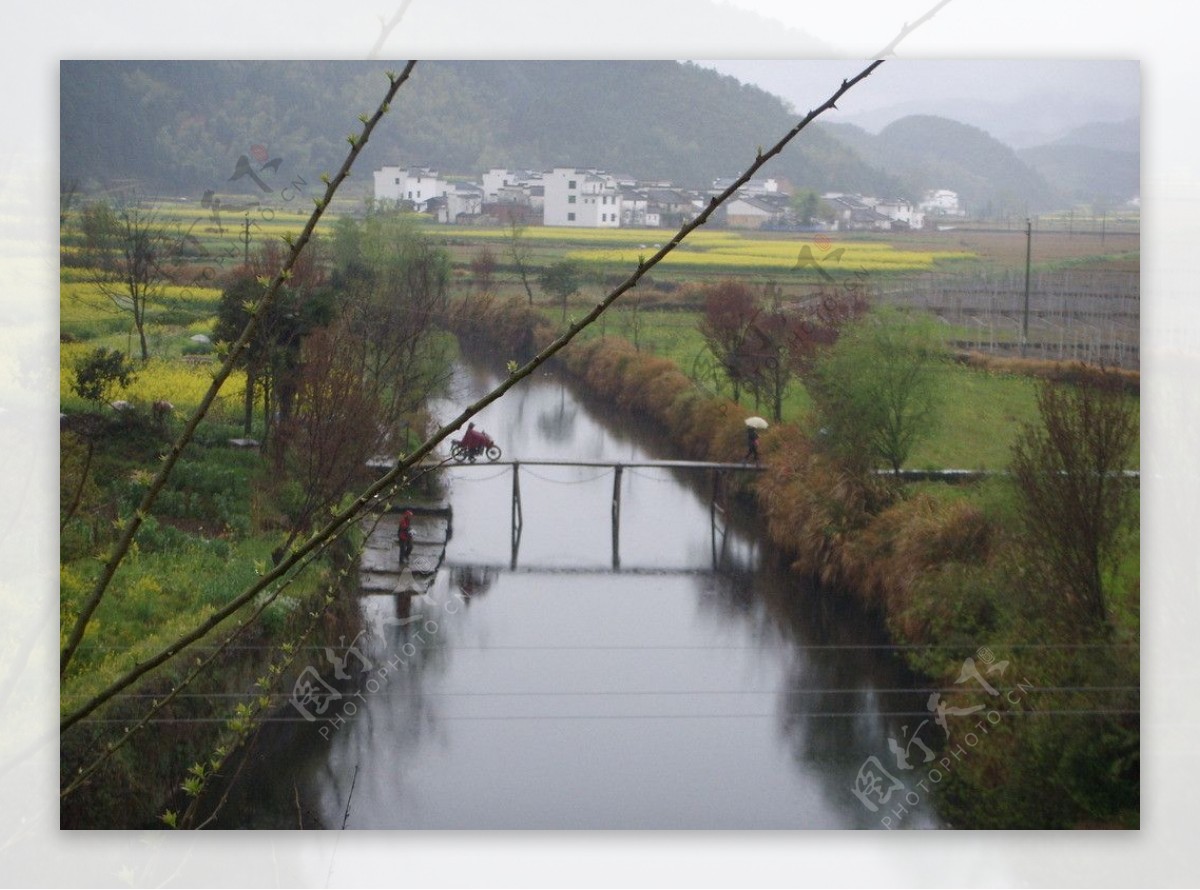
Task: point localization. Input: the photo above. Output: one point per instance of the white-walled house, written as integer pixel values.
(460, 200)
(942, 202)
(496, 179)
(418, 185)
(899, 210)
(504, 186)
(866, 212)
(753, 187)
(637, 211)
(573, 197)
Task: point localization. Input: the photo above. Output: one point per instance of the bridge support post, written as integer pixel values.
(714, 506)
(616, 516)
(517, 517)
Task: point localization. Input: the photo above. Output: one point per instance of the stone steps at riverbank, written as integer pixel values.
(380, 568)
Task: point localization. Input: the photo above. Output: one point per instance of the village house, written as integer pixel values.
(901, 211)
(859, 212)
(503, 186)
(752, 187)
(756, 211)
(941, 202)
(576, 197)
(673, 207)
(414, 185)
(461, 203)
(570, 196)
(637, 210)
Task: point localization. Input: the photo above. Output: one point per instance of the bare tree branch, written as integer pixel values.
(907, 29)
(346, 817)
(386, 28)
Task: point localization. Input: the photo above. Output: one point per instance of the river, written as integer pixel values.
(699, 685)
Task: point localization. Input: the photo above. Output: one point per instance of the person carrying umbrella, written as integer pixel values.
(753, 425)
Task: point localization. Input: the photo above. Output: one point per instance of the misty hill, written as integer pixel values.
(1123, 135)
(926, 152)
(181, 126)
(1036, 119)
(1087, 175)
(1098, 163)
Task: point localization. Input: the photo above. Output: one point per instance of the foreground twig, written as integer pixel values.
(349, 797)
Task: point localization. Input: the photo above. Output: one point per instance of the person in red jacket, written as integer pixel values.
(474, 441)
(404, 535)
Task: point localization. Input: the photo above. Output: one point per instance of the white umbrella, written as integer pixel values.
(757, 422)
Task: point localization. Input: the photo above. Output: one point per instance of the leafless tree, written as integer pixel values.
(519, 252)
(394, 296)
(730, 311)
(1076, 499)
(129, 249)
(333, 429)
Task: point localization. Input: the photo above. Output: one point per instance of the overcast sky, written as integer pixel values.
(1097, 82)
(1020, 102)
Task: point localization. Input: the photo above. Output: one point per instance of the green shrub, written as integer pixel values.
(102, 372)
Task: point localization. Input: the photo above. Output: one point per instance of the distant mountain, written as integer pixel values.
(1099, 163)
(1038, 120)
(1123, 135)
(182, 126)
(926, 152)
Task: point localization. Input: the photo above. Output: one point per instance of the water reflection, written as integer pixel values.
(700, 686)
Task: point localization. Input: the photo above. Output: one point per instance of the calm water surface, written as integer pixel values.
(701, 685)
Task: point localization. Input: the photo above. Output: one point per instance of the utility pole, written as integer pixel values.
(1025, 314)
(246, 240)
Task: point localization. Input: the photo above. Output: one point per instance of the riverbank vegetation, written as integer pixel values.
(952, 570)
(337, 371)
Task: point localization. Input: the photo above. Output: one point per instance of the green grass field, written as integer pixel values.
(981, 411)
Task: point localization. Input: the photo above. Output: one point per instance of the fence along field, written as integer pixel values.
(1081, 314)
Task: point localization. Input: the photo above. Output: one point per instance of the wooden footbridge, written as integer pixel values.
(715, 469)
(382, 571)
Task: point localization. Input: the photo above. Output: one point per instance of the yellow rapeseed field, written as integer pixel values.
(781, 255)
(81, 301)
(715, 248)
(181, 382)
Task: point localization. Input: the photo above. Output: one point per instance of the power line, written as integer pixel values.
(862, 690)
(772, 715)
(798, 647)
